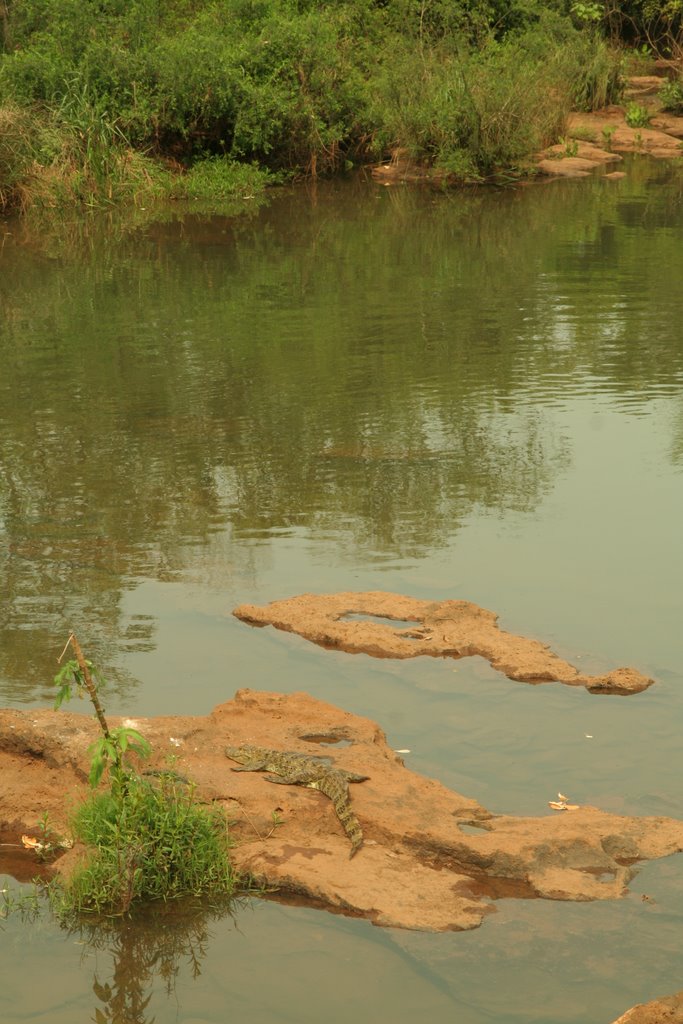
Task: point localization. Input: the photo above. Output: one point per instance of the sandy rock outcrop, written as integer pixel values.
(581, 154)
(668, 1010)
(432, 859)
(660, 138)
(576, 161)
(452, 629)
(643, 85)
(669, 123)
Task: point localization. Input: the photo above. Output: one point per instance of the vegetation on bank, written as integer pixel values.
(120, 99)
(146, 836)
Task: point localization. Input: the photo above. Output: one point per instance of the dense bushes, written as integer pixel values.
(292, 85)
(473, 111)
(671, 95)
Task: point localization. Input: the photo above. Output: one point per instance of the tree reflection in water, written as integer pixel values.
(152, 425)
(150, 946)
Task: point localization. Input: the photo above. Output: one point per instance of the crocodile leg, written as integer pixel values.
(352, 776)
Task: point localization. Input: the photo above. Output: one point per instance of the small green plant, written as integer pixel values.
(115, 744)
(565, 148)
(47, 844)
(671, 96)
(607, 133)
(276, 819)
(218, 178)
(640, 61)
(637, 116)
(148, 836)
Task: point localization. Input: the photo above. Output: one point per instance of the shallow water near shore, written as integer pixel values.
(473, 396)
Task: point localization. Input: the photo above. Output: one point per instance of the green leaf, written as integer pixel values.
(96, 771)
(131, 739)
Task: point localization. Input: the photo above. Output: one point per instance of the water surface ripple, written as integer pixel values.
(472, 395)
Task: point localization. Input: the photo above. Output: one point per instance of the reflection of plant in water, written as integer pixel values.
(144, 949)
(28, 905)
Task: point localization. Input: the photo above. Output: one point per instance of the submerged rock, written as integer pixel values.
(432, 859)
(454, 629)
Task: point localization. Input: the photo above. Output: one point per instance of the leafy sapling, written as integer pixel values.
(114, 744)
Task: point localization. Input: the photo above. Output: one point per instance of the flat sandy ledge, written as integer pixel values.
(441, 629)
(432, 858)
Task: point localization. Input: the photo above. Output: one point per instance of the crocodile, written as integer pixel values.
(292, 769)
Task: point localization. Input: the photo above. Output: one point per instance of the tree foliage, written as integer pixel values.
(299, 85)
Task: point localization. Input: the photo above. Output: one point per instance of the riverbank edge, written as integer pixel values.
(589, 143)
(592, 142)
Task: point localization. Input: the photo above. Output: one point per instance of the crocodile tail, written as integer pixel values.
(356, 843)
(349, 822)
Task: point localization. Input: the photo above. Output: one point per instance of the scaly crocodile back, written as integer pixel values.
(303, 770)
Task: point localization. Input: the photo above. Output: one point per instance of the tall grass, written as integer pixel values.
(58, 157)
(17, 145)
(473, 112)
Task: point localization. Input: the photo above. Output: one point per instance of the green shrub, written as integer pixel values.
(17, 145)
(145, 840)
(671, 96)
(70, 155)
(421, 104)
(522, 101)
(156, 842)
(306, 90)
(489, 109)
(220, 178)
(637, 116)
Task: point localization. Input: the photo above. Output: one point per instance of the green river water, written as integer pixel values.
(471, 395)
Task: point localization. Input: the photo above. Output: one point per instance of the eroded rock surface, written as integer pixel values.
(578, 162)
(432, 859)
(668, 1010)
(595, 138)
(454, 629)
